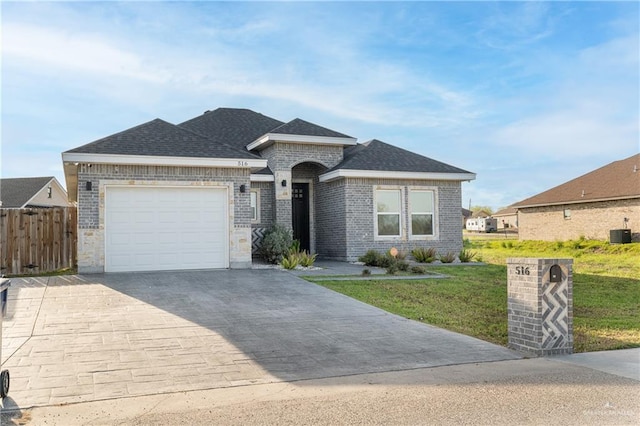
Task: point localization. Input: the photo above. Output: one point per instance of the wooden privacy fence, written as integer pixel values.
(37, 240)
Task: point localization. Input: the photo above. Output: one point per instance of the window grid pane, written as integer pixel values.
(389, 224)
(421, 212)
(388, 206)
(388, 201)
(421, 201)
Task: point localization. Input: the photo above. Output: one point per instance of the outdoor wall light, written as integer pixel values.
(88, 185)
(284, 182)
(243, 189)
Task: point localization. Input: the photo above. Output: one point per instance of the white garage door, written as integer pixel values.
(161, 228)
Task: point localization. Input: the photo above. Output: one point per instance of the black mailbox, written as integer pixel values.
(555, 274)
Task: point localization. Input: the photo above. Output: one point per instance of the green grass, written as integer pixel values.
(473, 299)
(590, 256)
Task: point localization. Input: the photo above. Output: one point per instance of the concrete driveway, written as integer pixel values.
(85, 338)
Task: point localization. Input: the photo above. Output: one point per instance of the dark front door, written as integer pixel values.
(300, 213)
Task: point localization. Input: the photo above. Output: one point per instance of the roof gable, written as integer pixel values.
(507, 211)
(298, 126)
(160, 138)
(376, 159)
(617, 180)
(232, 126)
(301, 132)
(16, 192)
(378, 155)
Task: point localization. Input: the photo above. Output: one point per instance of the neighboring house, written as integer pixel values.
(466, 214)
(480, 214)
(591, 205)
(200, 194)
(507, 218)
(19, 193)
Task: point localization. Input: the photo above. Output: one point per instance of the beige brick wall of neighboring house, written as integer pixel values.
(591, 220)
(507, 220)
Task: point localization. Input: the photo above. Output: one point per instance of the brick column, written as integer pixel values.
(540, 305)
(283, 198)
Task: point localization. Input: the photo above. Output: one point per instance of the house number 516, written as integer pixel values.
(522, 270)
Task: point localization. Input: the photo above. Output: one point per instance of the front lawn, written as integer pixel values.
(473, 299)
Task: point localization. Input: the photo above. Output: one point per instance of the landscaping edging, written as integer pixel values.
(378, 277)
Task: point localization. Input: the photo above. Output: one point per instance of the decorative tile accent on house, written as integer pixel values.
(257, 234)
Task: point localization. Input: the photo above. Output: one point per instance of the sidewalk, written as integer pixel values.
(623, 363)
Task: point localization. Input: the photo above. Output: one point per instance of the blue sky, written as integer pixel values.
(526, 95)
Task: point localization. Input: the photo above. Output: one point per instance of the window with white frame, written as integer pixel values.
(421, 203)
(388, 208)
(255, 206)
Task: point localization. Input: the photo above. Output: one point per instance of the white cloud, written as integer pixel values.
(315, 69)
(575, 133)
(516, 25)
(590, 107)
(74, 52)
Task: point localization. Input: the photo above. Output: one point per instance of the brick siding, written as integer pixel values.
(348, 236)
(591, 220)
(91, 203)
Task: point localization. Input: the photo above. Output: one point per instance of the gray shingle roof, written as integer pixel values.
(301, 127)
(377, 155)
(160, 138)
(265, 171)
(232, 126)
(15, 192)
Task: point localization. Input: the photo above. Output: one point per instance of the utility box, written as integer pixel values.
(620, 236)
(540, 305)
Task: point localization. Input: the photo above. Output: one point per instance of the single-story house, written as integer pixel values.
(590, 205)
(480, 214)
(200, 194)
(20, 193)
(507, 218)
(466, 214)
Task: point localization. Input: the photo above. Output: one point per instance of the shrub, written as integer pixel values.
(290, 261)
(402, 265)
(295, 246)
(423, 254)
(366, 272)
(402, 255)
(448, 257)
(466, 255)
(306, 259)
(371, 258)
(276, 243)
(392, 268)
(385, 261)
(418, 270)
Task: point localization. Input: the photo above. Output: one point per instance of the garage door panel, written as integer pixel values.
(155, 228)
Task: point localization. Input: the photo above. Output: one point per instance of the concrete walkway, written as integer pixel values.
(88, 338)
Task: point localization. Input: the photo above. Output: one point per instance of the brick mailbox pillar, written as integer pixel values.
(540, 305)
